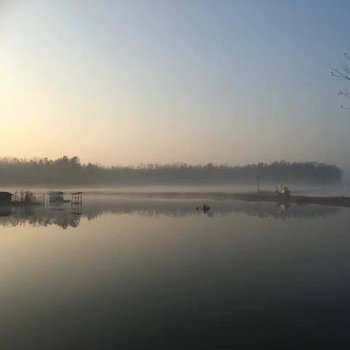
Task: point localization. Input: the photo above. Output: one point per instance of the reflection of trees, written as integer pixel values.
(93, 208)
(285, 211)
(40, 216)
(187, 208)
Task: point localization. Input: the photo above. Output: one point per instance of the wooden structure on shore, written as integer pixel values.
(5, 197)
(55, 200)
(56, 197)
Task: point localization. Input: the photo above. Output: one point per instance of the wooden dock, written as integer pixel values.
(77, 198)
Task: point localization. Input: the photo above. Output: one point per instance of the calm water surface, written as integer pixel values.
(157, 274)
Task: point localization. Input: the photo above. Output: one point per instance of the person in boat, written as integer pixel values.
(205, 208)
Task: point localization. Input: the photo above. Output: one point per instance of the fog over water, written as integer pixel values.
(297, 189)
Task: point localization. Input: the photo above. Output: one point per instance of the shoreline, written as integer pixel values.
(339, 201)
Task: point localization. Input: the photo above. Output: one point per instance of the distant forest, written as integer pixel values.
(70, 171)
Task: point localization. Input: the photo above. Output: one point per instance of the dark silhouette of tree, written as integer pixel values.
(342, 72)
(70, 171)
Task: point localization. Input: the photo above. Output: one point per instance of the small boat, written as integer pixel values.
(282, 191)
(205, 208)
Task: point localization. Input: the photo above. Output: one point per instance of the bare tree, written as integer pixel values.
(342, 72)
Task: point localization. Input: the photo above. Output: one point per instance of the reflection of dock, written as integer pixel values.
(70, 216)
(77, 203)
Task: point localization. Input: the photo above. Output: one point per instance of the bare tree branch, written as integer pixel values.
(342, 73)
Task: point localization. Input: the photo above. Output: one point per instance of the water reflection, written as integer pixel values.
(66, 216)
(39, 216)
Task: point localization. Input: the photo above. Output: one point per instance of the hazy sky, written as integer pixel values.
(130, 82)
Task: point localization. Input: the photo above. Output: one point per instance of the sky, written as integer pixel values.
(135, 82)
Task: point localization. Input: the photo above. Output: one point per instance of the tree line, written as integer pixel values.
(70, 171)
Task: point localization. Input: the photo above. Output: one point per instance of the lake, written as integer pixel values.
(149, 273)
